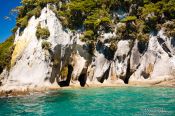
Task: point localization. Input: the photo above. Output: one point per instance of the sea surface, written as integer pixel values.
(118, 101)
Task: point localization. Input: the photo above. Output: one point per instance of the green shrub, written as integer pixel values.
(35, 12)
(166, 7)
(129, 19)
(169, 28)
(44, 2)
(82, 38)
(14, 29)
(22, 22)
(150, 8)
(6, 49)
(31, 8)
(143, 37)
(42, 33)
(98, 18)
(140, 25)
(113, 46)
(46, 45)
(171, 33)
(121, 29)
(88, 34)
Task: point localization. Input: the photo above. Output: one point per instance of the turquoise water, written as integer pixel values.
(123, 101)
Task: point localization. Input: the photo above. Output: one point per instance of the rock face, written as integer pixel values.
(156, 63)
(70, 62)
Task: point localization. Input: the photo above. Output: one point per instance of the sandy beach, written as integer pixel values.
(28, 90)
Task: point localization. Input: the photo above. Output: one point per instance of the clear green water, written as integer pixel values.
(123, 101)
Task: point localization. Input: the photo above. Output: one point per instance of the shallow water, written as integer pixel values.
(122, 101)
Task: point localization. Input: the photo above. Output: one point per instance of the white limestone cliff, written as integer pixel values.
(33, 66)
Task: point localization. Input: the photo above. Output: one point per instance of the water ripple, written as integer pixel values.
(123, 101)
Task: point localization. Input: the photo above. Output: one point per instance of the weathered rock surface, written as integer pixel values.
(157, 62)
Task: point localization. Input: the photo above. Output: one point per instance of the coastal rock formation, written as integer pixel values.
(157, 62)
(68, 61)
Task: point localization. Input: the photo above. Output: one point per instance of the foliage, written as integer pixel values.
(90, 14)
(169, 28)
(88, 34)
(97, 19)
(121, 29)
(143, 37)
(113, 46)
(30, 8)
(46, 45)
(22, 22)
(35, 12)
(14, 29)
(42, 33)
(157, 12)
(6, 49)
(129, 18)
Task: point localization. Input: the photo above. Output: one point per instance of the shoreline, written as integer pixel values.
(24, 91)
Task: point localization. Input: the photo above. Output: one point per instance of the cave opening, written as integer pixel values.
(126, 80)
(82, 79)
(128, 73)
(67, 81)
